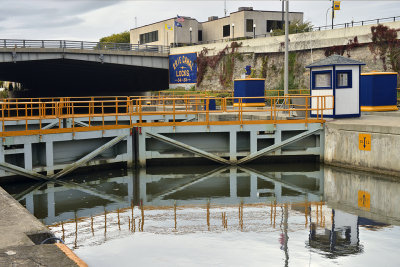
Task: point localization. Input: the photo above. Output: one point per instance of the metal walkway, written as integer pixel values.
(59, 135)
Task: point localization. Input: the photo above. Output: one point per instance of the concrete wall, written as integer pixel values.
(299, 41)
(342, 143)
(341, 190)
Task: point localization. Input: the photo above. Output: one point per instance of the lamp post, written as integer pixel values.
(326, 18)
(254, 30)
(233, 31)
(286, 65)
(190, 30)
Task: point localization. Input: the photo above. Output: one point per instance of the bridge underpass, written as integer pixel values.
(68, 68)
(65, 77)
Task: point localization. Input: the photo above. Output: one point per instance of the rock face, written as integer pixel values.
(266, 56)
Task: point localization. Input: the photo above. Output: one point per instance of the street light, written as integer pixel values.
(233, 30)
(254, 30)
(326, 18)
(190, 29)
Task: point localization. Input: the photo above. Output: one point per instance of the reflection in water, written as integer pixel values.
(269, 200)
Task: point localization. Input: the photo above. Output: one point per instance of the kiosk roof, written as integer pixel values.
(335, 60)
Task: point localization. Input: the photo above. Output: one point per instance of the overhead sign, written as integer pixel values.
(364, 200)
(336, 5)
(183, 68)
(364, 142)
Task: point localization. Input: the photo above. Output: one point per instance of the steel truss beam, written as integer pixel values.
(71, 167)
(189, 148)
(23, 172)
(276, 146)
(275, 180)
(195, 180)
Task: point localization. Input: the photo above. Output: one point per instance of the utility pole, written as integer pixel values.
(283, 12)
(135, 22)
(333, 12)
(225, 7)
(286, 71)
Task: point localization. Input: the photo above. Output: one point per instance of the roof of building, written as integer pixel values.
(335, 60)
(272, 11)
(186, 18)
(189, 18)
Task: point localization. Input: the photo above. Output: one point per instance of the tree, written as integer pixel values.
(123, 37)
(295, 27)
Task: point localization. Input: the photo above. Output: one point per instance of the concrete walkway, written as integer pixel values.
(384, 122)
(17, 249)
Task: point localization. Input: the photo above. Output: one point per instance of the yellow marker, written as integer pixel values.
(364, 142)
(336, 5)
(364, 200)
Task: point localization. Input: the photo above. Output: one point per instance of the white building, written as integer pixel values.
(244, 23)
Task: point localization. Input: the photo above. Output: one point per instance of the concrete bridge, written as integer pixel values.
(65, 68)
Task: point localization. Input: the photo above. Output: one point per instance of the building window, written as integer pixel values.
(344, 79)
(249, 25)
(226, 30)
(321, 79)
(274, 25)
(149, 37)
(200, 35)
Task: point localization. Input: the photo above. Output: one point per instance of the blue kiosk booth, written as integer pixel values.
(339, 77)
(379, 91)
(249, 87)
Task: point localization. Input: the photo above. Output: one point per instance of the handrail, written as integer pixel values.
(83, 45)
(139, 110)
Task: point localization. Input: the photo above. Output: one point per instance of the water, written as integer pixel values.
(277, 215)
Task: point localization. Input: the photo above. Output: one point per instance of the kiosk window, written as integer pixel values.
(321, 80)
(343, 79)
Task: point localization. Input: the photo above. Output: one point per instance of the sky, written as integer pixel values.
(89, 20)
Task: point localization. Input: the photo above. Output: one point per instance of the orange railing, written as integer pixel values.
(268, 92)
(100, 114)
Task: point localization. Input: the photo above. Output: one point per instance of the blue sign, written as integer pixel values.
(183, 68)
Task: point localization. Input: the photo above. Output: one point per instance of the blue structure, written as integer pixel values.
(183, 68)
(211, 104)
(247, 70)
(249, 87)
(339, 77)
(378, 91)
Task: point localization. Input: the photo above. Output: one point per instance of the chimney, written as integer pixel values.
(212, 18)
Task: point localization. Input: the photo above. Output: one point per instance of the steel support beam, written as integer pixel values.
(81, 123)
(193, 181)
(88, 157)
(50, 125)
(190, 148)
(21, 171)
(277, 146)
(274, 180)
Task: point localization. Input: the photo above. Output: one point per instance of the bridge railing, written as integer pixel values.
(93, 115)
(83, 45)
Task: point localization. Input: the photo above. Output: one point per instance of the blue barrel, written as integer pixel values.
(378, 91)
(249, 87)
(211, 104)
